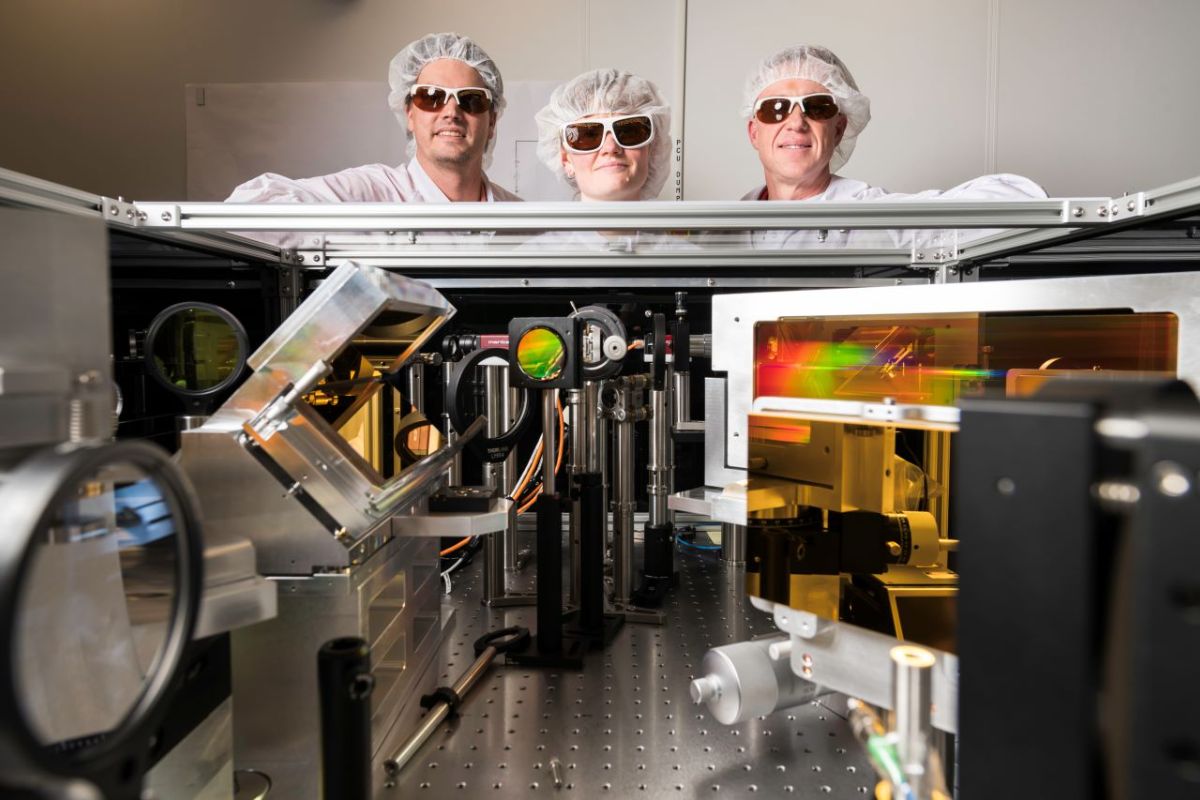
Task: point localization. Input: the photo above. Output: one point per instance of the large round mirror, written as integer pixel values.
(106, 592)
(196, 349)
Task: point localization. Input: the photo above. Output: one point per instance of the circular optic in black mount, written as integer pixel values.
(100, 581)
(196, 350)
(490, 449)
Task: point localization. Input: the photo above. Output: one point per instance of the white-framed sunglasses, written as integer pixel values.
(819, 106)
(587, 135)
(471, 99)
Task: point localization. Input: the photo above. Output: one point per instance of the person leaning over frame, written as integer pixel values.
(604, 133)
(804, 113)
(448, 94)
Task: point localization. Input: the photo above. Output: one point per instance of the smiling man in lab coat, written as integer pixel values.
(448, 93)
(804, 113)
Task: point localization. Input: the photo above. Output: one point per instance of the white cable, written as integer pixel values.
(529, 467)
(446, 574)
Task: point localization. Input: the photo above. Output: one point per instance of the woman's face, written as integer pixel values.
(610, 173)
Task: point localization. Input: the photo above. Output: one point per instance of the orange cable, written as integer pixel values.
(458, 546)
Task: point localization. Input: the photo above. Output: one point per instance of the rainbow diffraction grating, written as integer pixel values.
(541, 354)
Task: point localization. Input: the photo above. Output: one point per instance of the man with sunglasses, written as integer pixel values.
(805, 113)
(448, 94)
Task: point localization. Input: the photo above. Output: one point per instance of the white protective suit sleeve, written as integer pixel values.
(1002, 186)
(372, 183)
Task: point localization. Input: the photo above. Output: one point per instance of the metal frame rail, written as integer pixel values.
(1035, 224)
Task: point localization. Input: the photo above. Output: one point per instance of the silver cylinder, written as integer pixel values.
(578, 463)
(591, 424)
(454, 473)
(623, 508)
(741, 681)
(912, 691)
(510, 483)
(416, 384)
(596, 432)
(659, 458)
(495, 386)
(549, 439)
(733, 543)
(681, 403)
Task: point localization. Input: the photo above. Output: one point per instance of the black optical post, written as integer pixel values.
(345, 682)
(658, 559)
(542, 355)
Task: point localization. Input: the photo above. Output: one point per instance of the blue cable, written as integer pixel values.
(703, 547)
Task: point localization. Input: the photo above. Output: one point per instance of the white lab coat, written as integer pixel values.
(844, 190)
(624, 242)
(372, 183)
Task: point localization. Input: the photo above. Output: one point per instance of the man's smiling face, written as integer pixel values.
(797, 150)
(450, 136)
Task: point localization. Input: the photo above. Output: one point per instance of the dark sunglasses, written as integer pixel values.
(472, 99)
(587, 136)
(773, 110)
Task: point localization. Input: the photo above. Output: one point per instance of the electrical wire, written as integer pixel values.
(460, 544)
(529, 471)
(562, 425)
(693, 545)
(452, 567)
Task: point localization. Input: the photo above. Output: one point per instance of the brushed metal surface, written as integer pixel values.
(392, 601)
(734, 317)
(625, 725)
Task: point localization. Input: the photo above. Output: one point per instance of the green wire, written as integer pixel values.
(884, 754)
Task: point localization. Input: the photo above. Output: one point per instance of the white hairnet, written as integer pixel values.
(408, 63)
(609, 92)
(815, 63)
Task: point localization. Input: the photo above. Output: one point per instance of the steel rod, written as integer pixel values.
(437, 714)
(623, 509)
(549, 439)
(495, 382)
(912, 690)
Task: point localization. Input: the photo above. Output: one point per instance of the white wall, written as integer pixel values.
(1086, 96)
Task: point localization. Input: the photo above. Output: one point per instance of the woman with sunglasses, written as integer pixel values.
(804, 114)
(605, 133)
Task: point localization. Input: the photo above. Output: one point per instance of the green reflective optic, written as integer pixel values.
(541, 354)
